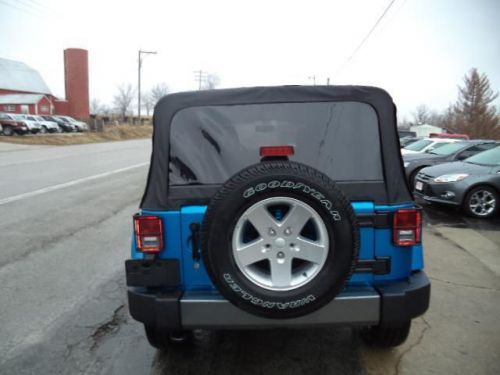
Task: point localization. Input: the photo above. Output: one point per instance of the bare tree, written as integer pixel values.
(403, 123)
(96, 107)
(211, 81)
(148, 102)
(421, 114)
(123, 99)
(158, 91)
(473, 112)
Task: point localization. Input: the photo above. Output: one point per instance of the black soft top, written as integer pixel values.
(159, 196)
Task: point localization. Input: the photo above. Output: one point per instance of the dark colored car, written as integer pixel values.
(11, 125)
(64, 125)
(447, 153)
(472, 184)
(406, 133)
(271, 207)
(405, 141)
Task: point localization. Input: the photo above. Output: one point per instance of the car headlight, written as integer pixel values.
(454, 177)
(406, 163)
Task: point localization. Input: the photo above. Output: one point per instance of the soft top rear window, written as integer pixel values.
(209, 144)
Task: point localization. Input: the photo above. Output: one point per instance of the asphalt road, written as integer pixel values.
(65, 215)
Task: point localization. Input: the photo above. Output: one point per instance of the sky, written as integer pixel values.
(419, 52)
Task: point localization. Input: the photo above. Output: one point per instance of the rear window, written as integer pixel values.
(210, 144)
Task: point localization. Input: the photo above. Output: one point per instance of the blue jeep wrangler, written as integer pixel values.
(274, 207)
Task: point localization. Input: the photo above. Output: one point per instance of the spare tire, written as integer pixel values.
(279, 239)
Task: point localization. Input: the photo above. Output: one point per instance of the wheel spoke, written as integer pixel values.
(482, 203)
(262, 220)
(296, 218)
(281, 272)
(251, 253)
(308, 250)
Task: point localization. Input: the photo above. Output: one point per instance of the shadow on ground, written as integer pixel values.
(319, 351)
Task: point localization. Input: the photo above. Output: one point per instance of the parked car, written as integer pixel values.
(406, 133)
(65, 126)
(33, 126)
(80, 126)
(408, 140)
(68, 122)
(10, 125)
(425, 144)
(413, 163)
(449, 136)
(472, 184)
(46, 125)
(243, 226)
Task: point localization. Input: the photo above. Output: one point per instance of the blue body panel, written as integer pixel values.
(374, 243)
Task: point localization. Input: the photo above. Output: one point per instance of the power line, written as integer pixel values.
(17, 7)
(201, 77)
(36, 3)
(29, 5)
(366, 37)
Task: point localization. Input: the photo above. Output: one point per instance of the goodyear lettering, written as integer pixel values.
(295, 186)
(266, 304)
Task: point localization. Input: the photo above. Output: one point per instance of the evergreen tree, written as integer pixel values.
(474, 114)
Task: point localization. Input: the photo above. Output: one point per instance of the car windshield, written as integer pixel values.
(447, 148)
(418, 145)
(490, 157)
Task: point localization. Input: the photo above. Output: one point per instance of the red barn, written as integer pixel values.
(37, 104)
(23, 90)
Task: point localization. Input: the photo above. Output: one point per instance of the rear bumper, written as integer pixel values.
(388, 304)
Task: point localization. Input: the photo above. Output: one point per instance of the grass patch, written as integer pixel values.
(110, 133)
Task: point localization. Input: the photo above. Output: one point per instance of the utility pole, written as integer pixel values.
(313, 78)
(328, 81)
(139, 81)
(200, 76)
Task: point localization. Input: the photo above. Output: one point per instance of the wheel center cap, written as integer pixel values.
(280, 242)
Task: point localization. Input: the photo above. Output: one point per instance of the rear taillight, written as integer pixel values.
(276, 151)
(148, 233)
(407, 227)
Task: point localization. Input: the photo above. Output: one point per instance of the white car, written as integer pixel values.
(79, 125)
(426, 144)
(47, 126)
(33, 126)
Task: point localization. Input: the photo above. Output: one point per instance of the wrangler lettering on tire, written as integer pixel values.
(280, 239)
